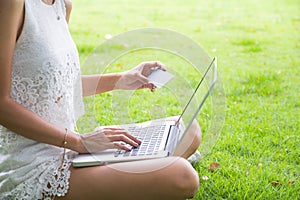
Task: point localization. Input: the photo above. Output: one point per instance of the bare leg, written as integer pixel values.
(162, 179)
(191, 141)
(177, 180)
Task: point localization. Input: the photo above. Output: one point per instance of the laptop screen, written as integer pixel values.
(199, 96)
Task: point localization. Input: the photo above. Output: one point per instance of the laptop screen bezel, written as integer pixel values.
(195, 91)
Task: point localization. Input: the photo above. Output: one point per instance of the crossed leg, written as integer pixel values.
(162, 179)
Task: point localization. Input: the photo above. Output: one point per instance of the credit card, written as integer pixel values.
(159, 77)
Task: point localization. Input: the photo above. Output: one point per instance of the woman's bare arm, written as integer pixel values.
(96, 84)
(68, 4)
(133, 79)
(12, 115)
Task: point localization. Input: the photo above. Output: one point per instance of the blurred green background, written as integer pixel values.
(258, 46)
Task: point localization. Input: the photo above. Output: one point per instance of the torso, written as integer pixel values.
(46, 80)
(68, 5)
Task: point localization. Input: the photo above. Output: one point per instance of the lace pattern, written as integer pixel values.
(48, 92)
(52, 180)
(46, 79)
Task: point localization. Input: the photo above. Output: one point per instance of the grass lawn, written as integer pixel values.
(258, 46)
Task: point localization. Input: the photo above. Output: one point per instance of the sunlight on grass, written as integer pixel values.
(258, 46)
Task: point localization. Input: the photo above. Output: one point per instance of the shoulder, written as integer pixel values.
(11, 14)
(11, 5)
(68, 4)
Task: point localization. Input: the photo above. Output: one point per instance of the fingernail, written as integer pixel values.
(136, 144)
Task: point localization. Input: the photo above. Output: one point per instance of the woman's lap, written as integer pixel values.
(166, 178)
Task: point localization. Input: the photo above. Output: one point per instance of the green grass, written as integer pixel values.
(258, 46)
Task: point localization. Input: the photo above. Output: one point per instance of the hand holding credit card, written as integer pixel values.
(159, 77)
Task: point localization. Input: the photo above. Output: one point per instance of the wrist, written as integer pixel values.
(108, 82)
(115, 81)
(75, 143)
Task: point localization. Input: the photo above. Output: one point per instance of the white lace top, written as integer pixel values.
(46, 79)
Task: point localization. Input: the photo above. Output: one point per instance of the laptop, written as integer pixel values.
(159, 137)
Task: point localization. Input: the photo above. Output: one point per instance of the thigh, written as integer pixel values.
(150, 179)
(190, 141)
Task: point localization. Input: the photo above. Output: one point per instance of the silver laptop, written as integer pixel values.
(159, 137)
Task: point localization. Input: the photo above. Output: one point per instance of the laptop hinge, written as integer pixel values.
(172, 139)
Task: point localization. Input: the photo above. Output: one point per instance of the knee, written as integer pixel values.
(197, 134)
(187, 179)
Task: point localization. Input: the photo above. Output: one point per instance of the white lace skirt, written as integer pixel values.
(31, 170)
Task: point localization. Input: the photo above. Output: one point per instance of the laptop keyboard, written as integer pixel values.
(151, 137)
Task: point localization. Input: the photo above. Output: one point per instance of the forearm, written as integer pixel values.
(26, 123)
(96, 84)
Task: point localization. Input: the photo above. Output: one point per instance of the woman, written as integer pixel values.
(41, 91)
